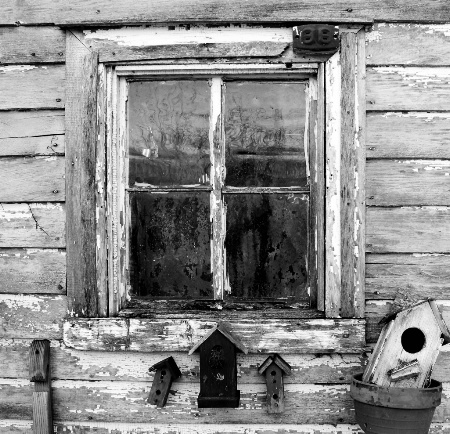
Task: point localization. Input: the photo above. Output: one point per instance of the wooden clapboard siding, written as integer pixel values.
(127, 12)
(81, 138)
(67, 363)
(52, 145)
(299, 336)
(105, 401)
(393, 88)
(421, 274)
(34, 179)
(408, 182)
(32, 87)
(28, 271)
(408, 44)
(32, 225)
(408, 135)
(32, 45)
(32, 316)
(408, 229)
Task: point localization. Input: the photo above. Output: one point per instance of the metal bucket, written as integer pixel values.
(392, 410)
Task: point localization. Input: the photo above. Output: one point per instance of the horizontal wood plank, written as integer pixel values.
(407, 182)
(408, 230)
(67, 363)
(103, 401)
(52, 145)
(35, 179)
(32, 316)
(32, 225)
(408, 135)
(299, 335)
(408, 44)
(32, 87)
(420, 274)
(127, 12)
(393, 88)
(33, 271)
(32, 45)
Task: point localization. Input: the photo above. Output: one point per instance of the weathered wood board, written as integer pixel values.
(70, 364)
(127, 12)
(408, 44)
(408, 229)
(407, 182)
(32, 45)
(32, 225)
(33, 271)
(300, 336)
(393, 88)
(421, 274)
(32, 87)
(51, 145)
(32, 316)
(32, 179)
(419, 135)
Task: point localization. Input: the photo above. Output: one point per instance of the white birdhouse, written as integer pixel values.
(408, 347)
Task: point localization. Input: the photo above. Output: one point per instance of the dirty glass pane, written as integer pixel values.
(168, 132)
(264, 134)
(266, 245)
(170, 245)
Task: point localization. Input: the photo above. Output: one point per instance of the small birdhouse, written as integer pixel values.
(166, 372)
(218, 371)
(408, 347)
(274, 368)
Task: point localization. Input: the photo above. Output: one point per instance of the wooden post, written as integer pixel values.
(40, 374)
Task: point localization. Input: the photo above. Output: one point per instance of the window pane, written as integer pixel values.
(170, 245)
(266, 245)
(168, 132)
(264, 134)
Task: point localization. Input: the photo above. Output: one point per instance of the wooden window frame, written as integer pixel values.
(89, 115)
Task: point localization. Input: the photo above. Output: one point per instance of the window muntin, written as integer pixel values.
(254, 171)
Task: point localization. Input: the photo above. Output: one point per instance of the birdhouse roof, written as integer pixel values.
(223, 329)
(169, 364)
(277, 360)
(437, 314)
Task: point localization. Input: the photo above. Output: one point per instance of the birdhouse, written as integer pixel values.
(274, 368)
(408, 347)
(166, 372)
(218, 371)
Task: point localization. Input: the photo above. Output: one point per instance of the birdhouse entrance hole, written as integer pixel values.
(413, 340)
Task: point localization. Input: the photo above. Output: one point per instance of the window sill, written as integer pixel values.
(260, 334)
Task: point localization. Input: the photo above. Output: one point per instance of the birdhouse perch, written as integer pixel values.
(218, 371)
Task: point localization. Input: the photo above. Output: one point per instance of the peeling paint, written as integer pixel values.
(16, 68)
(418, 76)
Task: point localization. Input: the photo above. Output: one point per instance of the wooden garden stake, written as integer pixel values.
(274, 367)
(40, 375)
(166, 372)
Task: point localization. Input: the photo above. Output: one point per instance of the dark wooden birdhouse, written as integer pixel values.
(274, 368)
(166, 372)
(218, 371)
(408, 347)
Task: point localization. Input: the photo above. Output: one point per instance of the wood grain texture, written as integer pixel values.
(408, 44)
(393, 88)
(408, 182)
(81, 137)
(408, 135)
(421, 274)
(32, 45)
(51, 145)
(70, 364)
(32, 225)
(32, 316)
(32, 87)
(408, 229)
(35, 179)
(33, 271)
(127, 12)
(352, 172)
(302, 336)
